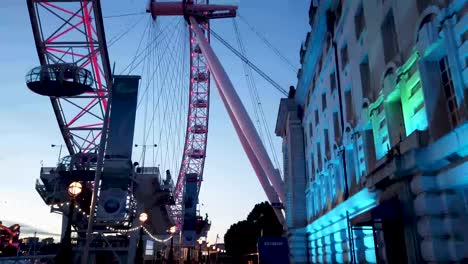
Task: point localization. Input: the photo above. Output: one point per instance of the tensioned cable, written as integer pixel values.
(168, 67)
(248, 62)
(256, 97)
(174, 78)
(268, 43)
(145, 66)
(141, 39)
(162, 95)
(184, 102)
(162, 33)
(250, 84)
(177, 91)
(149, 46)
(124, 15)
(118, 36)
(154, 71)
(148, 84)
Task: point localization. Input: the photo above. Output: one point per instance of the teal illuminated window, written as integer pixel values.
(361, 157)
(449, 91)
(412, 98)
(379, 128)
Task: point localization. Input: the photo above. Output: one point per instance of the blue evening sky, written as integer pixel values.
(230, 188)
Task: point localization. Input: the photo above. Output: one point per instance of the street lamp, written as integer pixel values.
(74, 189)
(217, 254)
(144, 152)
(139, 252)
(60, 150)
(200, 242)
(65, 253)
(208, 246)
(172, 231)
(143, 217)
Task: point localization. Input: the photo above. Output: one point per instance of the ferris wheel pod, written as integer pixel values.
(197, 154)
(201, 77)
(59, 80)
(200, 103)
(197, 49)
(198, 129)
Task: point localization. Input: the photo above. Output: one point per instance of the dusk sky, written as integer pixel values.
(28, 126)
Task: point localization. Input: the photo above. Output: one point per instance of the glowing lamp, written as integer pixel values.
(74, 189)
(143, 217)
(172, 229)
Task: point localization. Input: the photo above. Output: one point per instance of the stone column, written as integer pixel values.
(289, 127)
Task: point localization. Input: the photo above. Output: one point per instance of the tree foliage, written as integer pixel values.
(241, 238)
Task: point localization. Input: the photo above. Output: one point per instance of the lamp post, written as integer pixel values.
(217, 253)
(65, 252)
(139, 252)
(144, 152)
(172, 231)
(60, 150)
(208, 256)
(200, 242)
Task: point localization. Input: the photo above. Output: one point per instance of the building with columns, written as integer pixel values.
(375, 139)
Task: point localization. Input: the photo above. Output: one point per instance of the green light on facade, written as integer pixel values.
(379, 127)
(412, 99)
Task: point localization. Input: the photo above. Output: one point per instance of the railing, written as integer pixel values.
(60, 72)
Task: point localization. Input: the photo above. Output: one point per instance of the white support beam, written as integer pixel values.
(240, 115)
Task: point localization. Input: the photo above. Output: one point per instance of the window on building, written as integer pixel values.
(324, 101)
(336, 126)
(389, 37)
(328, 43)
(149, 248)
(349, 105)
(449, 91)
(319, 157)
(365, 77)
(344, 56)
(361, 157)
(332, 81)
(319, 66)
(312, 167)
(316, 115)
(327, 144)
(351, 166)
(311, 130)
(359, 21)
(380, 131)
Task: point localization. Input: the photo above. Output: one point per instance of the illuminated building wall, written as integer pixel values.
(385, 134)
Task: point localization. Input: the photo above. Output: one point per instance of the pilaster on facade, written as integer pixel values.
(289, 127)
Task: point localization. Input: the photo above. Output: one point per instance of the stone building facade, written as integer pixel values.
(375, 140)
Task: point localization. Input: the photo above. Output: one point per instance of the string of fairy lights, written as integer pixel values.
(124, 231)
(133, 229)
(155, 238)
(77, 207)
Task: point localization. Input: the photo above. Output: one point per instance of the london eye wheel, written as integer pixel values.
(174, 94)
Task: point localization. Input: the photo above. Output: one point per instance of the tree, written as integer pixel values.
(241, 238)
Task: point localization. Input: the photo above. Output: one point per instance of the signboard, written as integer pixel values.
(273, 250)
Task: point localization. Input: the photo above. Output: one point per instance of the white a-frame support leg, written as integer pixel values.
(239, 116)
